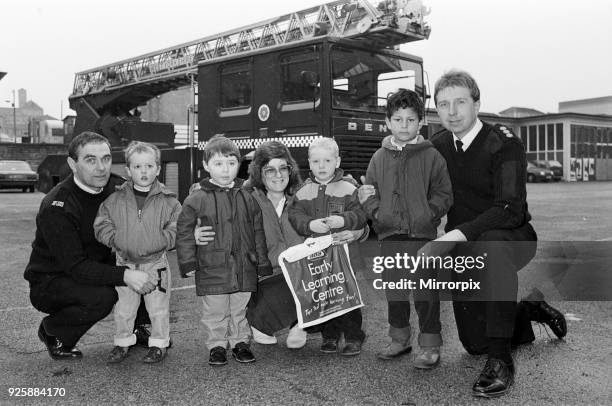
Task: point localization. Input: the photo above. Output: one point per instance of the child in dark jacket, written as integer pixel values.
(326, 203)
(408, 191)
(138, 221)
(225, 270)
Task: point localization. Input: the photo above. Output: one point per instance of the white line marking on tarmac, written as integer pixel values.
(18, 219)
(572, 317)
(184, 287)
(12, 309)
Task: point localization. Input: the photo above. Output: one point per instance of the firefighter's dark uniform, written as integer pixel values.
(490, 209)
(71, 275)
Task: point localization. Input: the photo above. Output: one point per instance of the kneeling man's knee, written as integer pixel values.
(100, 306)
(495, 235)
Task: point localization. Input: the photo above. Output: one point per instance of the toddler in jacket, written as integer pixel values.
(226, 269)
(408, 191)
(327, 202)
(138, 222)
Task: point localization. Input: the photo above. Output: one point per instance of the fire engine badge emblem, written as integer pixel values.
(263, 112)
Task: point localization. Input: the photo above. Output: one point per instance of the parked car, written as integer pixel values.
(18, 175)
(536, 174)
(554, 166)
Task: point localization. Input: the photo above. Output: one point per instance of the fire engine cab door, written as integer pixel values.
(287, 96)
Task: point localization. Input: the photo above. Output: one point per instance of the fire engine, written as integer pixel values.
(320, 72)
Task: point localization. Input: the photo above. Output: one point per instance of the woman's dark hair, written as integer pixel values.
(265, 153)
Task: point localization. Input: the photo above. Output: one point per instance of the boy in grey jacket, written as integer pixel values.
(406, 192)
(138, 221)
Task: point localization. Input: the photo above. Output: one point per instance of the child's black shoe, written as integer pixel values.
(217, 356)
(155, 355)
(351, 348)
(242, 353)
(329, 346)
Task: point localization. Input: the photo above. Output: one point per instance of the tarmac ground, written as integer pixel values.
(575, 370)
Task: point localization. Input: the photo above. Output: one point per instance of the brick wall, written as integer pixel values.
(32, 153)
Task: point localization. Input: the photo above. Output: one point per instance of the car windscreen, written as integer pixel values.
(362, 80)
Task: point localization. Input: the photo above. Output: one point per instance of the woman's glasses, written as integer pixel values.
(270, 171)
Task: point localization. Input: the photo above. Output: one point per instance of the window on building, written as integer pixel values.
(573, 140)
(542, 138)
(523, 135)
(559, 136)
(533, 138)
(592, 142)
(235, 86)
(550, 137)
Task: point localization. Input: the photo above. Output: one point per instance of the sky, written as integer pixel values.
(527, 53)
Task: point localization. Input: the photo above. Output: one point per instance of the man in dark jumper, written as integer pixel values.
(72, 276)
(487, 167)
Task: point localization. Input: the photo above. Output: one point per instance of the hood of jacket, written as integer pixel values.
(156, 188)
(207, 185)
(408, 149)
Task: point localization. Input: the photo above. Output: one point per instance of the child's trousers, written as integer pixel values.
(349, 324)
(224, 319)
(157, 303)
(426, 302)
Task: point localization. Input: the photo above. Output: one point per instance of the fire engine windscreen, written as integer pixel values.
(362, 80)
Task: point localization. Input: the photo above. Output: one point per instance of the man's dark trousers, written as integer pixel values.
(493, 312)
(73, 308)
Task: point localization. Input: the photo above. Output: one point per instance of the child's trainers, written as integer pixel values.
(329, 346)
(242, 353)
(155, 355)
(217, 356)
(262, 338)
(428, 358)
(117, 355)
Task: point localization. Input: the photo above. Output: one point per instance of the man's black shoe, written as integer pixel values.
(242, 353)
(542, 312)
(217, 356)
(495, 379)
(57, 350)
(142, 334)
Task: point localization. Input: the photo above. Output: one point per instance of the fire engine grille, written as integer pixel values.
(356, 152)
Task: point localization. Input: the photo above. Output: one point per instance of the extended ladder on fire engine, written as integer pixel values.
(143, 77)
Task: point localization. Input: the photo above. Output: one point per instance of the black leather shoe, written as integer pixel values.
(542, 312)
(217, 356)
(495, 379)
(142, 334)
(242, 353)
(329, 346)
(57, 350)
(351, 348)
